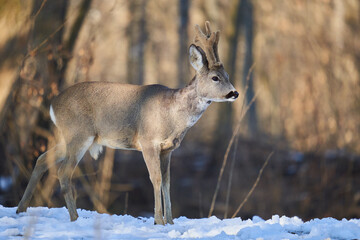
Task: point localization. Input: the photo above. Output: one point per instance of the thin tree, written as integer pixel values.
(183, 66)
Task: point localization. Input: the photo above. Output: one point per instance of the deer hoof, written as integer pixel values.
(74, 217)
(170, 221)
(159, 221)
(20, 209)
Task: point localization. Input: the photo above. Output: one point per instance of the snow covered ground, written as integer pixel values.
(45, 223)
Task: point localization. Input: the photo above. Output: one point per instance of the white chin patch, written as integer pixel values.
(232, 99)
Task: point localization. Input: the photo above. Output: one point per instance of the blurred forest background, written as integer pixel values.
(295, 63)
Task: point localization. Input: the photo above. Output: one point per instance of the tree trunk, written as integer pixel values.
(137, 40)
(241, 18)
(27, 121)
(183, 66)
(42, 68)
(246, 11)
(225, 115)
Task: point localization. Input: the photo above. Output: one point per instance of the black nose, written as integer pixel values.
(236, 94)
(232, 94)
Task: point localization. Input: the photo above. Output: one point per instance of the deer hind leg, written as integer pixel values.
(165, 173)
(42, 165)
(75, 150)
(151, 156)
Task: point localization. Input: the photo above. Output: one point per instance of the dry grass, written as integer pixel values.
(243, 112)
(254, 185)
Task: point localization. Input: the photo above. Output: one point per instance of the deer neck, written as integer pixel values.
(190, 103)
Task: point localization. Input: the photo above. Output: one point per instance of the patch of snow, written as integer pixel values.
(54, 223)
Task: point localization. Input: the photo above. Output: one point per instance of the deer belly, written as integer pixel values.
(119, 143)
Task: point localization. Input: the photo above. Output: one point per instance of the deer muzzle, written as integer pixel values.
(232, 95)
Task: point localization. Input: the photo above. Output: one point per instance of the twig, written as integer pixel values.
(126, 203)
(34, 50)
(99, 206)
(201, 214)
(237, 129)
(30, 227)
(236, 144)
(230, 177)
(41, 7)
(103, 185)
(43, 133)
(254, 186)
(227, 154)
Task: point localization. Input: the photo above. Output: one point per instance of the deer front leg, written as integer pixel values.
(165, 172)
(151, 156)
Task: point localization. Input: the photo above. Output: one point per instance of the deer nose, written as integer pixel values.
(232, 94)
(236, 94)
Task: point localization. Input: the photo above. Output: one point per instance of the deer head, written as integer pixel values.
(211, 78)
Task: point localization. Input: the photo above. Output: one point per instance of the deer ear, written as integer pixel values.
(197, 57)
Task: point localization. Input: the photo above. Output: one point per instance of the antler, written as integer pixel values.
(208, 42)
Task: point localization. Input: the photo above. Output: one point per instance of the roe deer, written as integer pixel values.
(152, 119)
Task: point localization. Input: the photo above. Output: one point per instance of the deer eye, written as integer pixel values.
(215, 79)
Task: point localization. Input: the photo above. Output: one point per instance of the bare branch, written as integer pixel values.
(227, 154)
(254, 186)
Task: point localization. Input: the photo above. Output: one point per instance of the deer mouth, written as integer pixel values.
(231, 96)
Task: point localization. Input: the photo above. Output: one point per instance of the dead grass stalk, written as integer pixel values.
(235, 133)
(254, 185)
